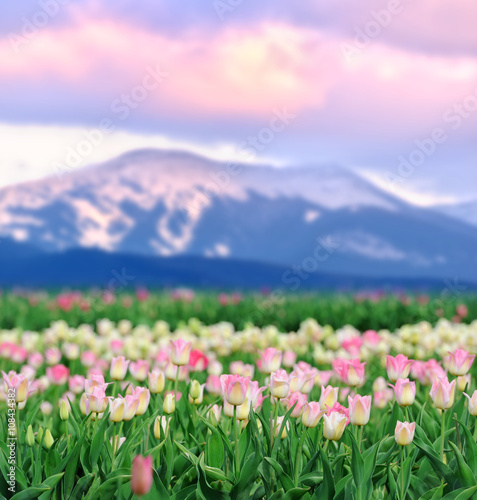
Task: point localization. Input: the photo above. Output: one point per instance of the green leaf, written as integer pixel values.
(295, 493)
(214, 448)
(205, 491)
(461, 494)
(82, 486)
(470, 446)
(248, 475)
(357, 462)
(283, 477)
(434, 494)
(51, 482)
(464, 472)
(327, 488)
(30, 493)
(440, 469)
(98, 441)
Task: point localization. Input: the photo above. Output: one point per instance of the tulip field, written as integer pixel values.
(142, 406)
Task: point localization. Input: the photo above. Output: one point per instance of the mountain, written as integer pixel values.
(123, 272)
(466, 211)
(170, 203)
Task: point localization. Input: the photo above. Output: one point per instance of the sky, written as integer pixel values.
(386, 88)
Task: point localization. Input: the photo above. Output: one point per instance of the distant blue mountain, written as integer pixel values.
(170, 206)
(115, 271)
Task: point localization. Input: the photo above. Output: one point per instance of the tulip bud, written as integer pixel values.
(169, 405)
(194, 390)
(405, 392)
(64, 409)
(442, 393)
(39, 435)
(472, 403)
(157, 381)
(161, 422)
(141, 475)
(359, 409)
(243, 410)
(463, 381)
(334, 425)
(48, 439)
(404, 433)
(30, 438)
(279, 384)
(278, 424)
(311, 414)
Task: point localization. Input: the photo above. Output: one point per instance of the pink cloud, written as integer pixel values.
(240, 71)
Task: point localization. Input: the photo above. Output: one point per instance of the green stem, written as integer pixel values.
(325, 449)
(273, 425)
(67, 435)
(17, 427)
(403, 493)
(475, 430)
(176, 382)
(443, 430)
(298, 455)
(237, 455)
(114, 446)
(360, 437)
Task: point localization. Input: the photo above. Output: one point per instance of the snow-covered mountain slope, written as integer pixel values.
(466, 212)
(166, 203)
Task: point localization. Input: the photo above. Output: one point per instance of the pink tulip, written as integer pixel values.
(58, 374)
(144, 397)
(289, 359)
(269, 361)
(312, 413)
(398, 367)
(405, 391)
(472, 403)
(234, 388)
(131, 404)
(119, 368)
(36, 360)
(337, 408)
(359, 409)
(180, 354)
(139, 369)
(329, 396)
(141, 475)
(94, 381)
(334, 425)
(98, 401)
(213, 385)
(404, 433)
(460, 362)
(198, 361)
(442, 393)
(323, 377)
(156, 381)
(371, 338)
(52, 356)
(350, 372)
(88, 358)
(299, 399)
(17, 383)
(382, 398)
(279, 384)
(76, 384)
(255, 395)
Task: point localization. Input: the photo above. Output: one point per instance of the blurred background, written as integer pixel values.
(252, 152)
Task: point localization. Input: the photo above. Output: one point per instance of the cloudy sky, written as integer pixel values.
(386, 88)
